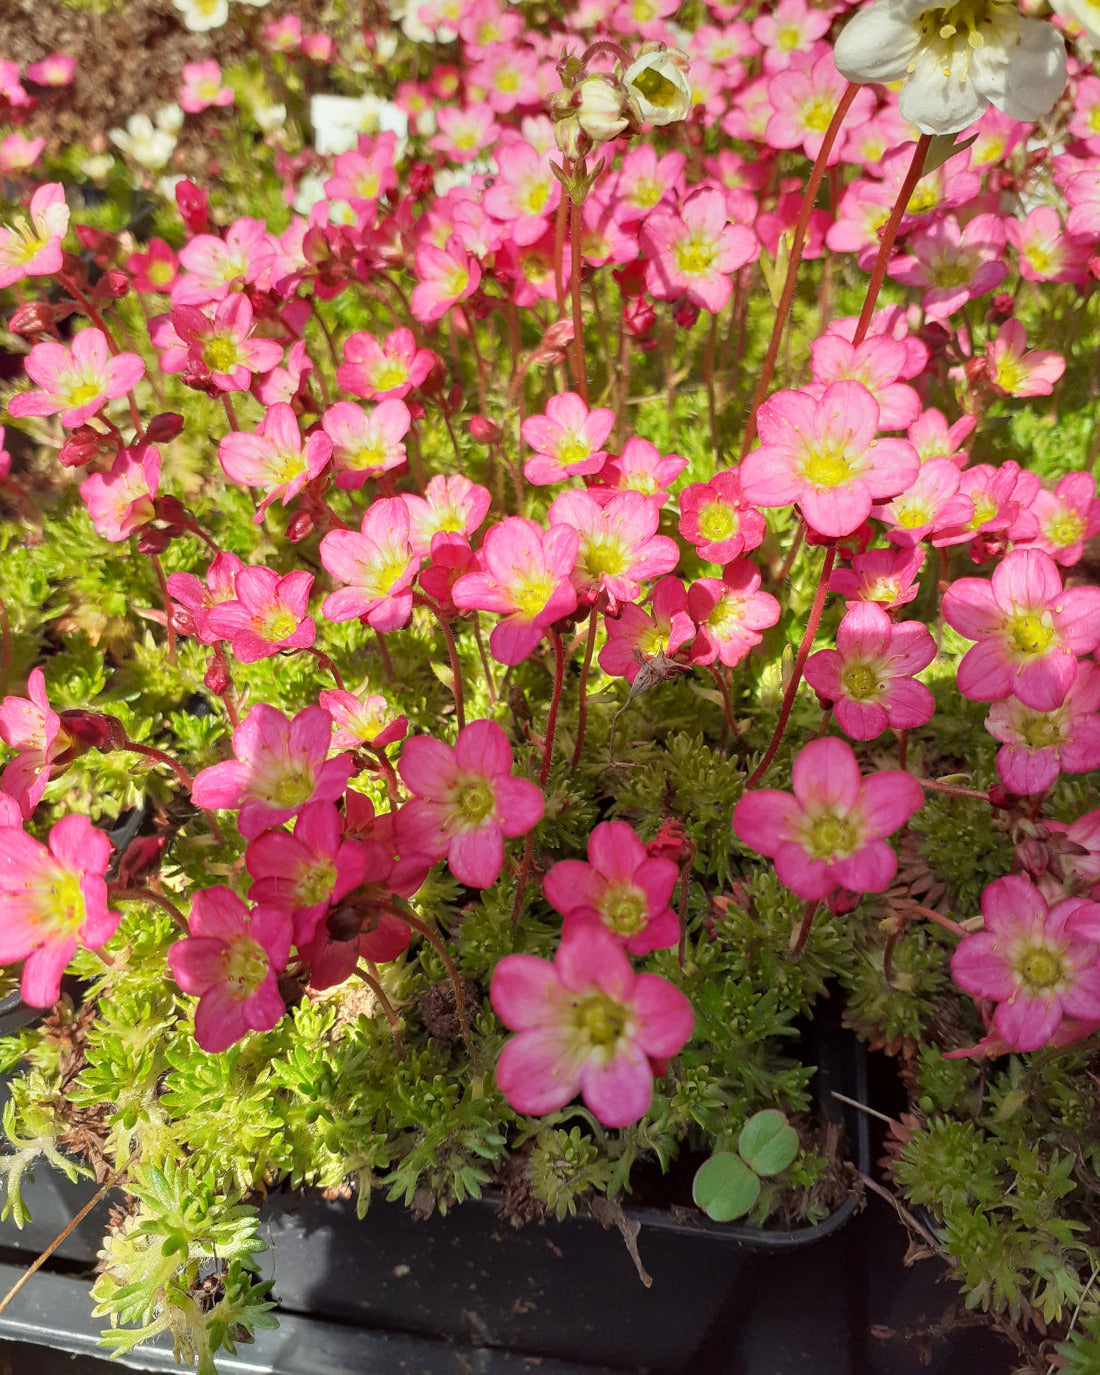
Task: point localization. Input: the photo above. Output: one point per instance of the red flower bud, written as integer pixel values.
(35, 317)
(685, 313)
(164, 427)
(216, 677)
(485, 431)
(94, 730)
(300, 526)
(154, 541)
(193, 204)
(84, 445)
(140, 858)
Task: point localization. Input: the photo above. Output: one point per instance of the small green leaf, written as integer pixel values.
(768, 1143)
(725, 1187)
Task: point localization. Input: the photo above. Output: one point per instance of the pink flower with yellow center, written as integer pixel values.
(718, 520)
(465, 801)
(868, 677)
(123, 500)
(730, 612)
(1029, 630)
(587, 1024)
(526, 578)
(1037, 963)
(390, 369)
(30, 726)
(451, 505)
(618, 546)
(52, 899)
(1067, 517)
(366, 446)
(1015, 370)
(621, 886)
(34, 250)
(833, 830)
(696, 252)
(76, 381)
(1038, 745)
(275, 459)
(824, 454)
(377, 563)
(231, 961)
(267, 615)
(445, 276)
(280, 765)
(635, 636)
(358, 722)
(568, 440)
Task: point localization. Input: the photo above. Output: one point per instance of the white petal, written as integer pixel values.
(1037, 76)
(878, 44)
(939, 101)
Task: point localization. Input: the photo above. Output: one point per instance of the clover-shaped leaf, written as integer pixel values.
(768, 1143)
(725, 1187)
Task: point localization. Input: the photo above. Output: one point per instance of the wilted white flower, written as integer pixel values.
(657, 87)
(956, 61)
(201, 15)
(147, 146)
(600, 107)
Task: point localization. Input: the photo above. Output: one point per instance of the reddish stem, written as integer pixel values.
(889, 234)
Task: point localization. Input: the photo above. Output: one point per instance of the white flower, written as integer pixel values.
(97, 168)
(338, 120)
(957, 60)
(169, 119)
(147, 146)
(270, 117)
(657, 86)
(201, 15)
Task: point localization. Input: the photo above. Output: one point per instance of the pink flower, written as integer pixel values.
(55, 70)
(155, 269)
(1037, 963)
(1037, 745)
(451, 505)
(34, 250)
(378, 565)
(280, 766)
(1028, 629)
(465, 801)
(275, 458)
(1015, 370)
(267, 616)
(953, 265)
(567, 440)
(365, 446)
(715, 517)
(305, 873)
(377, 371)
(634, 636)
(586, 1024)
(803, 99)
(231, 961)
(696, 252)
(868, 678)
(78, 381)
(123, 500)
(620, 886)
(357, 723)
(641, 467)
(29, 725)
(931, 509)
(51, 900)
(198, 597)
(526, 578)
(879, 363)
(618, 545)
(730, 612)
(216, 266)
(202, 87)
(223, 348)
(445, 276)
(823, 454)
(1067, 517)
(832, 831)
(886, 576)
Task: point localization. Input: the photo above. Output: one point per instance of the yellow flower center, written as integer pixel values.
(1040, 969)
(717, 522)
(624, 909)
(861, 682)
(827, 467)
(816, 116)
(80, 393)
(65, 911)
(600, 1020)
(292, 789)
(1043, 730)
(694, 256)
(985, 508)
(245, 964)
(532, 595)
(277, 625)
(220, 354)
(604, 558)
(316, 884)
(572, 449)
(474, 801)
(1031, 632)
(389, 373)
(1065, 529)
(832, 837)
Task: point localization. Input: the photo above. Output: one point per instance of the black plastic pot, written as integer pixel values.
(568, 1291)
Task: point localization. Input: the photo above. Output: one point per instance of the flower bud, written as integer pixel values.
(94, 729)
(140, 859)
(154, 541)
(193, 205)
(35, 317)
(657, 89)
(571, 139)
(300, 526)
(163, 427)
(216, 677)
(600, 107)
(84, 445)
(485, 431)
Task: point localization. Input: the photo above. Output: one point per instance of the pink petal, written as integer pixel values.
(621, 1091)
(535, 1072)
(525, 991)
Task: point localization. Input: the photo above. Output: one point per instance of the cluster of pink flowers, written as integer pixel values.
(857, 459)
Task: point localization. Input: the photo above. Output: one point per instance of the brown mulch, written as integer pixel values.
(129, 59)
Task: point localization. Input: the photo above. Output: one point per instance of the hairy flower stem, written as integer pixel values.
(555, 702)
(801, 932)
(708, 378)
(798, 240)
(142, 894)
(166, 601)
(490, 685)
(799, 663)
(580, 363)
(945, 922)
(727, 703)
(230, 411)
(582, 702)
(385, 768)
(889, 234)
(159, 755)
(384, 1003)
(788, 562)
(452, 655)
(460, 998)
(934, 786)
(327, 664)
(471, 330)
